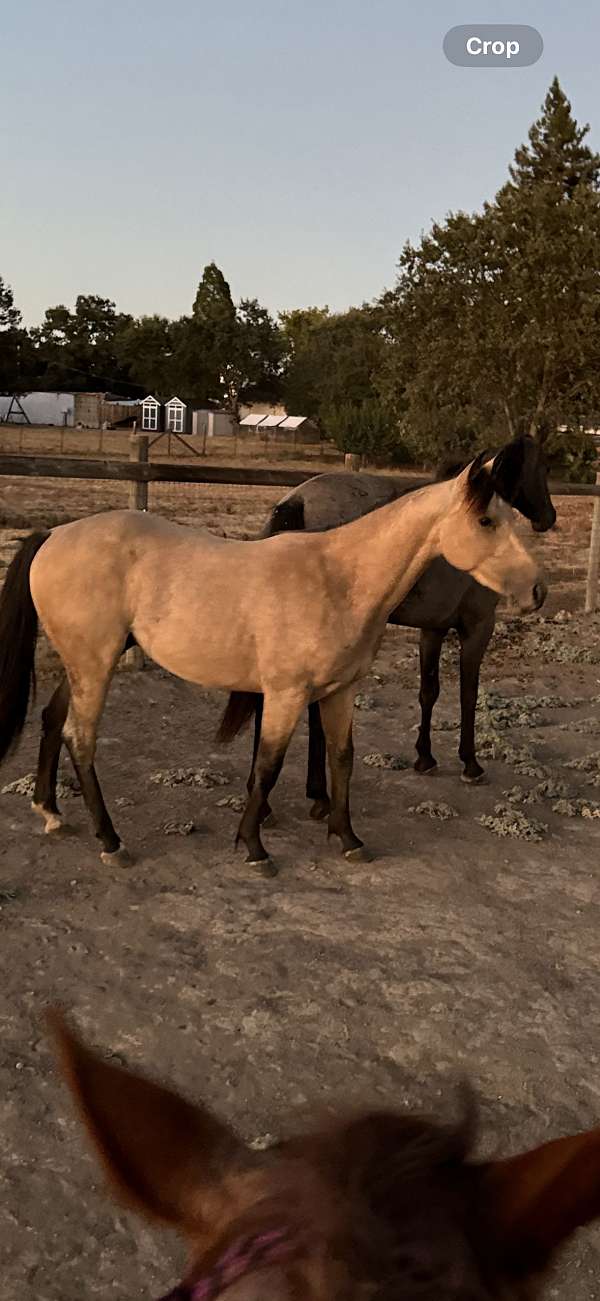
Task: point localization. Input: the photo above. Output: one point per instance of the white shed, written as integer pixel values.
(151, 414)
(38, 408)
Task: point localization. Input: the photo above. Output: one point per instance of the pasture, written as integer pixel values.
(456, 951)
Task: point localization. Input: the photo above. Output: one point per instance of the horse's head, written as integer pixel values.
(379, 1205)
(530, 493)
(522, 475)
(477, 533)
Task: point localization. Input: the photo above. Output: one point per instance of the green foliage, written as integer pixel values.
(79, 350)
(332, 359)
(366, 428)
(10, 317)
(572, 455)
(494, 323)
(242, 347)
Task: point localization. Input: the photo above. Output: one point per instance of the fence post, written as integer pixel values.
(138, 500)
(138, 452)
(591, 587)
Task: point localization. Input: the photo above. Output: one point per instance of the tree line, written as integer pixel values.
(492, 328)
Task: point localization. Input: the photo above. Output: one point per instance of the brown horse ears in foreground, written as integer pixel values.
(176, 1162)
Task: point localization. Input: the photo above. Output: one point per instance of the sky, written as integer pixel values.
(298, 145)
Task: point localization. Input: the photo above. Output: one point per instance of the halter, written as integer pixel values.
(241, 1258)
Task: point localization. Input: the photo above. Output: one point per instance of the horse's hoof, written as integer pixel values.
(320, 810)
(358, 855)
(269, 821)
(53, 821)
(119, 858)
(263, 866)
(426, 772)
(479, 780)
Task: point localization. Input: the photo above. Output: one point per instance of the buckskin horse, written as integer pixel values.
(444, 597)
(295, 618)
(380, 1206)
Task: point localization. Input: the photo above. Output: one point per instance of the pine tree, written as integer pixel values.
(556, 154)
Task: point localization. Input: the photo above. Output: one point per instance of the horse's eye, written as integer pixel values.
(486, 522)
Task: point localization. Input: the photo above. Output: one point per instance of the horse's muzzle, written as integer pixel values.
(546, 522)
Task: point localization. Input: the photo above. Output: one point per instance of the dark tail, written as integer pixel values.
(18, 635)
(240, 708)
(286, 517)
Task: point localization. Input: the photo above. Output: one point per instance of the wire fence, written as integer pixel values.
(44, 491)
(113, 444)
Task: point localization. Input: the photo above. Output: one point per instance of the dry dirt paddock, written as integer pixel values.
(458, 950)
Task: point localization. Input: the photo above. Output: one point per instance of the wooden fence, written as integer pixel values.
(139, 472)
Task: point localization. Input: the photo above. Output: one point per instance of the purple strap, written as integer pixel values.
(243, 1256)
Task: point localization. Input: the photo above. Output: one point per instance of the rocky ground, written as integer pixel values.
(467, 946)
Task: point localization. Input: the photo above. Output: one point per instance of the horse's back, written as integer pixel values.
(330, 500)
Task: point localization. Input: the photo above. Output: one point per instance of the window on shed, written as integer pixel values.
(150, 415)
(175, 419)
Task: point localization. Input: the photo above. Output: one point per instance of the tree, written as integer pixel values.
(10, 317)
(242, 346)
(494, 321)
(333, 359)
(78, 350)
(365, 428)
(145, 350)
(16, 361)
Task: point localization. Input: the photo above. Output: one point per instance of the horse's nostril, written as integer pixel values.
(540, 592)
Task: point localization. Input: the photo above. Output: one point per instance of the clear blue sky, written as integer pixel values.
(296, 144)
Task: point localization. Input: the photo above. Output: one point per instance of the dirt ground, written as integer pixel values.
(455, 951)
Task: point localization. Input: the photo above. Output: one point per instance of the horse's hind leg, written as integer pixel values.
(80, 729)
(53, 719)
(316, 777)
(336, 715)
(430, 649)
(281, 711)
(266, 812)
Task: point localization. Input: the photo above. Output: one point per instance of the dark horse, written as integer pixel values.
(376, 1206)
(441, 599)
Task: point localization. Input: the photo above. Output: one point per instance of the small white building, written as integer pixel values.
(38, 408)
(151, 415)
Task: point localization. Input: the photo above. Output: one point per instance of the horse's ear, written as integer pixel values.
(507, 469)
(538, 1199)
(164, 1155)
(474, 484)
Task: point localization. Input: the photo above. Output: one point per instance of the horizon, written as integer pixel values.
(328, 134)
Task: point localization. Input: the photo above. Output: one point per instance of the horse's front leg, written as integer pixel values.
(280, 713)
(316, 776)
(430, 649)
(336, 716)
(473, 645)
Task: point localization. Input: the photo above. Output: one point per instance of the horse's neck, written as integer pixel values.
(384, 553)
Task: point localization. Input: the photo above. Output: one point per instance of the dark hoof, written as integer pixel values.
(270, 820)
(358, 855)
(320, 810)
(426, 767)
(474, 779)
(263, 867)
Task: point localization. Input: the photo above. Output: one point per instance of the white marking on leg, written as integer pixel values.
(53, 821)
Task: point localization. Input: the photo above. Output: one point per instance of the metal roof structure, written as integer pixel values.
(271, 422)
(293, 422)
(253, 420)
